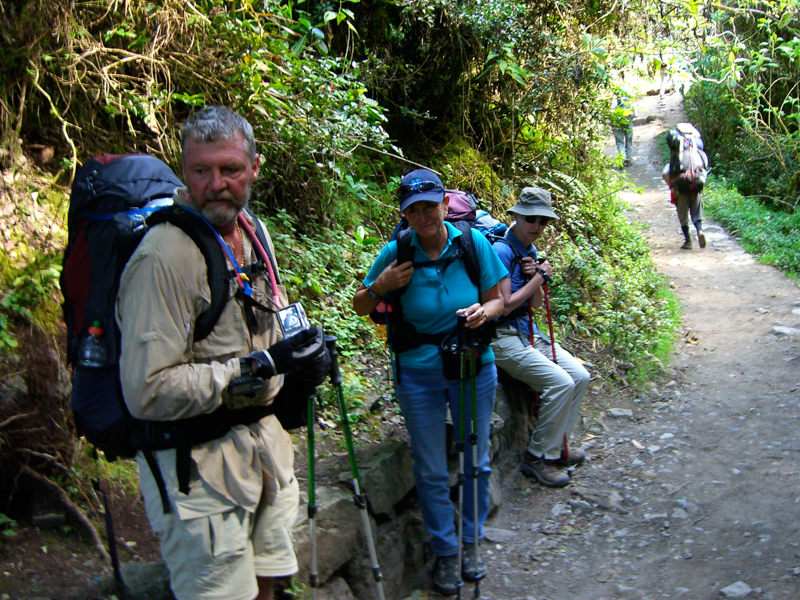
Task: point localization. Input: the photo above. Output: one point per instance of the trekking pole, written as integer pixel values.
(547, 280)
(359, 497)
(473, 440)
(312, 497)
(463, 349)
(530, 339)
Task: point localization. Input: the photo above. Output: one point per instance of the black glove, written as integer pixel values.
(290, 406)
(297, 351)
(315, 371)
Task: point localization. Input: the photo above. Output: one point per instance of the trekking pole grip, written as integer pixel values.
(336, 374)
(463, 332)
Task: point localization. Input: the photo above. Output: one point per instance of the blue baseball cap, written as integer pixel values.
(419, 185)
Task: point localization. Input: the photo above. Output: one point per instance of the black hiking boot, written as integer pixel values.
(446, 580)
(687, 244)
(471, 571)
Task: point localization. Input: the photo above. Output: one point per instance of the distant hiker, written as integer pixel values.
(219, 487)
(622, 114)
(433, 290)
(685, 174)
(527, 355)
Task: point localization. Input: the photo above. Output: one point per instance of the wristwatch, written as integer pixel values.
(372, 294)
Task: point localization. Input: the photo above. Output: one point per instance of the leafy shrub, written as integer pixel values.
(323, 272)
(774, 236)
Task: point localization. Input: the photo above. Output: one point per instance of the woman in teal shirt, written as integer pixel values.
(436, 295)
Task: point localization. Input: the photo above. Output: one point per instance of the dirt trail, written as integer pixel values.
(697, 495)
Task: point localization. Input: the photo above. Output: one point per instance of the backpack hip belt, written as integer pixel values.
(183, 434)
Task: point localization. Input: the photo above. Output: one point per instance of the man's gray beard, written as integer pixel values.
(220, 218)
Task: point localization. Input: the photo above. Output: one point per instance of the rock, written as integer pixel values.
(404, 557)
(787, 331)
(387, 474)
(736, 590)
(619, 413)
(499, 536)
(608, 499)
(339, 535)
(146, 581)
(335, 589)
(560, 509)
(12, 388)
(653, 516)
(679, 513)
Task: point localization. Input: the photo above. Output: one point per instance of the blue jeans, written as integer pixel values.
(424, 396)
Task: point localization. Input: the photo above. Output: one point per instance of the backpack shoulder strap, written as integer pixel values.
(261, 234)
(216, 263)
(517, 254)
(405, 252)
(470, 254)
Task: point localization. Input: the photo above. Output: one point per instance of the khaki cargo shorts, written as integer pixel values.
(219, 554)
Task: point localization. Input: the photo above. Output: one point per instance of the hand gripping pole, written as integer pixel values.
(359, 496)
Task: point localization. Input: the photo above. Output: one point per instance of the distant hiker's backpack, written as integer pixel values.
(489, 226)
(462, 206)
(622, 113)
(114, 201)
(688, 163)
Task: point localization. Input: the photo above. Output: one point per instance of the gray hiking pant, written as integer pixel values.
(689, 202)
(561, 386)
(624, 141)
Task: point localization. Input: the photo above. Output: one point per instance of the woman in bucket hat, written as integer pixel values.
(528, 355)
(436, 294)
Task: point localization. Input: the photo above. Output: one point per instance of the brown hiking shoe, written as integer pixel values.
(687, 245)
(576, 457)
(544, 471)
(701, 239)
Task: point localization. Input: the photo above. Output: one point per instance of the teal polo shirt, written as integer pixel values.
(435, 293)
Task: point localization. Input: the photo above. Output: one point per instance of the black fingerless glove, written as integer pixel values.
(290, 353)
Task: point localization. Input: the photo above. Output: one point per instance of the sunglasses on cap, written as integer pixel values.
(406, 190)
(543, 221)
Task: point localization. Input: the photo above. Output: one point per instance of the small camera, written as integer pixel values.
(292, 319)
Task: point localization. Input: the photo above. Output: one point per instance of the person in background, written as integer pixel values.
(622, 114)
(219, 485)
(434, 295)
(523, 351)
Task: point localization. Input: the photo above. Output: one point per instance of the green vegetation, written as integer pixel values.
(747, 106)
(7, 526)
(773, 236)
(344, 99)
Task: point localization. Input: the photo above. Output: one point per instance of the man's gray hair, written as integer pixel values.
(214, 123)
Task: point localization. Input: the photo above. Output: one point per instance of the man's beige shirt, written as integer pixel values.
(166, 375)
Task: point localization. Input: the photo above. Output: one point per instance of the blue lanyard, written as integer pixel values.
(244, 281)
